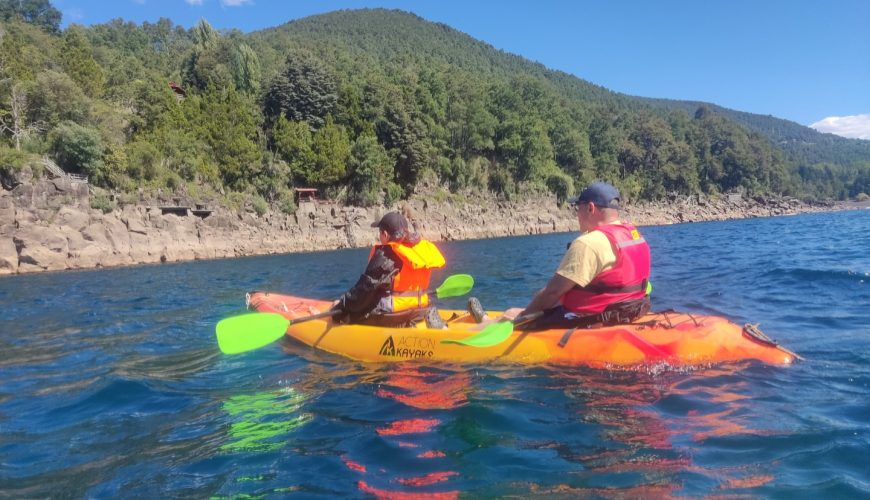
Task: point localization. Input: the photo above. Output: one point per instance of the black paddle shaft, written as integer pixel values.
(327, 314)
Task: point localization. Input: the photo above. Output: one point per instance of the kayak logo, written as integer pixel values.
(409, 348)
(389, 348)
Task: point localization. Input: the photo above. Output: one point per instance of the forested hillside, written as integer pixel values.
(803, 144)
(828, 165)
(366, 105)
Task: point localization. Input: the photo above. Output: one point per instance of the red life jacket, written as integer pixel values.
(409, 286)
(625, 281)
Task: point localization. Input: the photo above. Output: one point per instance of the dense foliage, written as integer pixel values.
(38, 12)
(827, 165)
(367, 105)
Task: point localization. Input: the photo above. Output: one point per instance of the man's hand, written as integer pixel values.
(512, 313)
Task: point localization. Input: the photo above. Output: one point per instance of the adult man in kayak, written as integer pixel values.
(603, 275)
(392, 289)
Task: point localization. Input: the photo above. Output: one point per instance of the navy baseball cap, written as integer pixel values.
(602, 194)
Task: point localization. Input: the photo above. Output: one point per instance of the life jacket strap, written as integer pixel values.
(411, 294)
(613, 289)
(630, 243)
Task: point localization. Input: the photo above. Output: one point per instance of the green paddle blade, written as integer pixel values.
(456, 285)
(249, 331)
(493, 334)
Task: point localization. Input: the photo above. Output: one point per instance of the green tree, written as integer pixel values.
(501, 181)
(469, 123)
(536, 154)
(78, 149)
(331, 148)
(505, 105)
(209, 67)
(651, 153)
(605, 140)
(115, 164)
(404, 134)
(78, 61)
(143, 160)
(209, 62)
(150, 99)
(304, 91)
(230, 128)
(38, 12)
(246, 69)
(204, 35)
(571, 146)
(293, 142)
(481, 125)
(273, 182)
(370, 172)
(56, 97)
(14, 64)
(561, 185)
(349, 110)
(11, 161)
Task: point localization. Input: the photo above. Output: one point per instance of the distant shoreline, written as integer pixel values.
(49, 226)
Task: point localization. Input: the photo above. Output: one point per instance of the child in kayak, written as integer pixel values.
(392, 289)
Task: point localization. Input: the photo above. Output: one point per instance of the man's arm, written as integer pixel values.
(579, 266)
(549, 296)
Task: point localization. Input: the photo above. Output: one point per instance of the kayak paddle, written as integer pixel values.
(495, 333)
(455, 285)
(251, 331)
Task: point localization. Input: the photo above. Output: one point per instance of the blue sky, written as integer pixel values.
(802, 60)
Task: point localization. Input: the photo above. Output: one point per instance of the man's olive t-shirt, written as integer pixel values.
(589, 255)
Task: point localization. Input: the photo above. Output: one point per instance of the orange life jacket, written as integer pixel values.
(410, 284)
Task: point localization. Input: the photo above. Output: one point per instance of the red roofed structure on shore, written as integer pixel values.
(306, 194)
(179, 92)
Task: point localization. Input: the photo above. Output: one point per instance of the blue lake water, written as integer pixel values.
(111, 383)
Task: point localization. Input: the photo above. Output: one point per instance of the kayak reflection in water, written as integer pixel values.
(420, 467)
(392, 289)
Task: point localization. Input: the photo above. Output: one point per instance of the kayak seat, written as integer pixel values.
(401, 319)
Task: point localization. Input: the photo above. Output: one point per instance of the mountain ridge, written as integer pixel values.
(785, 133)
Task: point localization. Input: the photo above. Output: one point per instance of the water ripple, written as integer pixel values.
(111, 384)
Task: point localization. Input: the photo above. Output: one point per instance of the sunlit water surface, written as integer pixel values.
(111, 383)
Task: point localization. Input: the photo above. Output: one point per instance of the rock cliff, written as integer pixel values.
(48, 225)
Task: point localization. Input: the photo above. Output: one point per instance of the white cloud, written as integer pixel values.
(194, 2)
(854, 127)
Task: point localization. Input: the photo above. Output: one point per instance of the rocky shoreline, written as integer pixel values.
(48, 225)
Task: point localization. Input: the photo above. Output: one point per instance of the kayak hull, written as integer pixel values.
(678, 339)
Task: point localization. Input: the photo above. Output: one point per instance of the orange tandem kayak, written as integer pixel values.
(678, 339)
